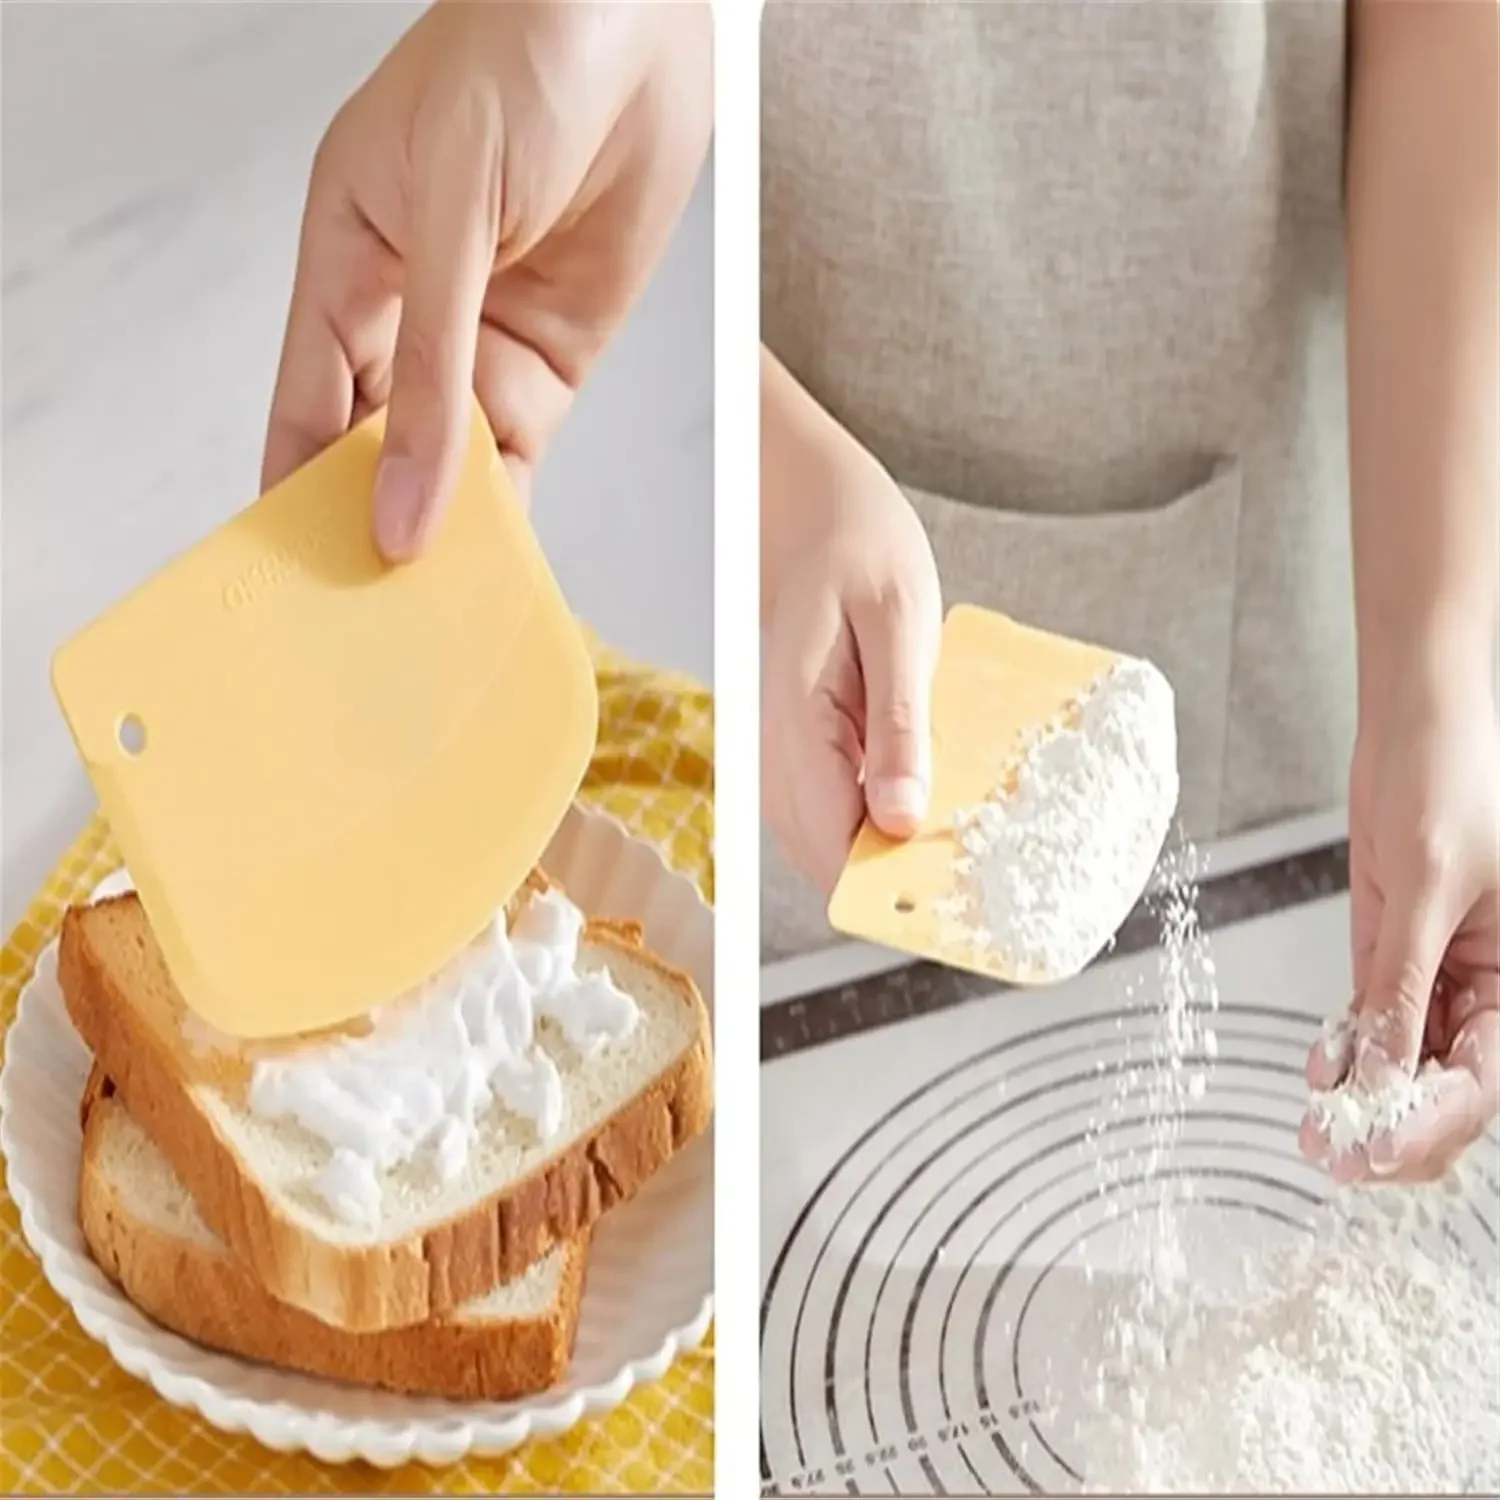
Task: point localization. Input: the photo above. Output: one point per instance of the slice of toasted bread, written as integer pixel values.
(146, 1235)
(435, 1247)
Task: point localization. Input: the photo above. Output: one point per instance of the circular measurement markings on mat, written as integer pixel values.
(935, 1319)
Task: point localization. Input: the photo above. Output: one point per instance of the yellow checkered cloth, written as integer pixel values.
(71, 1422)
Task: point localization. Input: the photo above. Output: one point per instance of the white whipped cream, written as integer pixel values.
(414, 1089)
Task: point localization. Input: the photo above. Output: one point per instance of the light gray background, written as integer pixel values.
(155, 158)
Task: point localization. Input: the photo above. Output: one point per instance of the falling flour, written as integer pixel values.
(1160, 1087)
(1052, 862)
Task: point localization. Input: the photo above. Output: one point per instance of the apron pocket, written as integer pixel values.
(1156, 583)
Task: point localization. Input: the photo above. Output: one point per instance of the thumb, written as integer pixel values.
(456, 198)
(1409, 947)
(896, 655)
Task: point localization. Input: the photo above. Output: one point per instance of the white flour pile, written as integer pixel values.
(1349, 1361)
(1053, 863)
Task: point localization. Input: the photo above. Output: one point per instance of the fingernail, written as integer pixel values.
(1311, 1141)
(900, 803)
(398, 506)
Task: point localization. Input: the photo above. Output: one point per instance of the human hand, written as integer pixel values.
(850, 645)
(482, 214)
(1424, 853)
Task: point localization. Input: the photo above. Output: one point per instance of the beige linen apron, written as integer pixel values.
(1073, 271)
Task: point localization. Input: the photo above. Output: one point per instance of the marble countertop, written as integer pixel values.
(154, 163)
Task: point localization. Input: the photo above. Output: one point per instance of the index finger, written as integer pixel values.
(314, 397)
(1414, 932)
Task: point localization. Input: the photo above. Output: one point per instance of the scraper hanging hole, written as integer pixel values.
(131, 735)
(905, 905)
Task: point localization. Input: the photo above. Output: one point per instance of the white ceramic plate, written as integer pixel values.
(650, 1282)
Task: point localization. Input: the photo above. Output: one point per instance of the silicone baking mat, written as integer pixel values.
(957, 1177)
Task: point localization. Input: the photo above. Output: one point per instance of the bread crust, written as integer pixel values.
(366, 1288)
(204, 1295)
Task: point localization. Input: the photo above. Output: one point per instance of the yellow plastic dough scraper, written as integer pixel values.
(327, 774)
(998, 683)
